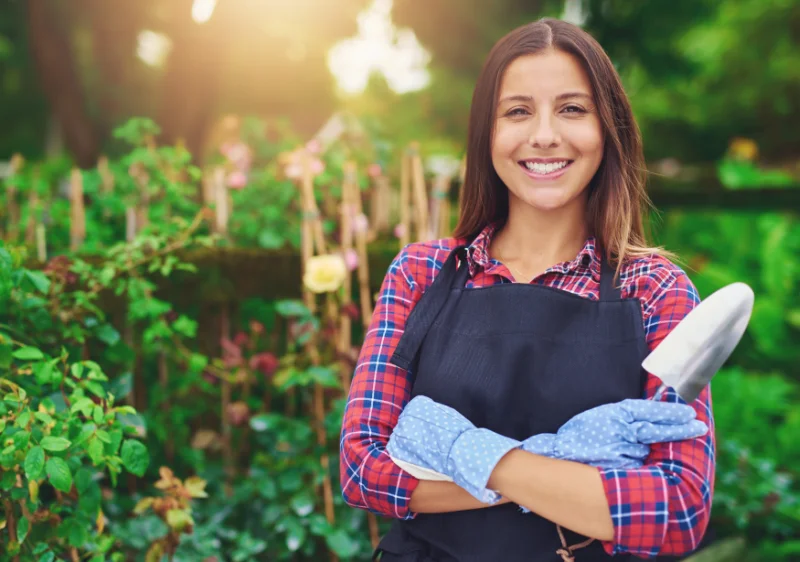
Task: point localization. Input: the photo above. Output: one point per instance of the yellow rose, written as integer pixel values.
(325, 274)
(743, 149)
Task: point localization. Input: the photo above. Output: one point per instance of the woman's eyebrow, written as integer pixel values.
(568, 95)
(559, 97)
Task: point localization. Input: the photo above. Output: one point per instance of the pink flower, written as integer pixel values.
(317, 166)
(351, 259)
(241, 339)
(293, 171)
(374, 170)
(360, 223)
(399, 231)
(266, 363)
(231, 353)
(314, 146)
(237, 180)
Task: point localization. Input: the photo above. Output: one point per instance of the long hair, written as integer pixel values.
(617, 198)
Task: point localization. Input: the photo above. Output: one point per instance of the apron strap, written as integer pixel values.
(608, 291)
(427, 309)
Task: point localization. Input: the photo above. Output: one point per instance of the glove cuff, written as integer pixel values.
(472, 459)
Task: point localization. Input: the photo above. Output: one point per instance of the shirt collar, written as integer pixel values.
(479, 258)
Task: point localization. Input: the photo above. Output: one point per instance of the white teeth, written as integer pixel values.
(545, 168)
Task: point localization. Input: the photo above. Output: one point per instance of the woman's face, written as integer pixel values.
(548, 140)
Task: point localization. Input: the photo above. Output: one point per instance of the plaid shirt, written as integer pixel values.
(661, 508)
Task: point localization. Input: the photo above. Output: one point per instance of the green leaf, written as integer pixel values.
(83, 479)
(83, 405)
(270, 240)
(59, 474)
(290, 308)
(185, 326)
(50, 443)
(178, 519)
(28, 354)
(39, 280)
(95, 450)
(135, 457)
(295, 535)
(107, 334)
(5, 356)
(325, 376)
(8, 480)
(95, 388)
(264, 422)
(43, 417)
(197, 363)
(24, 419)
(302, 504)
(47, 557)
(44, 371)
(21, 439)
(98, 415)
(77, 532)
(342, 544)
(34, 463)
(22, 529)
(77, 370)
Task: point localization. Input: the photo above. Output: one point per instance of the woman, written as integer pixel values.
(508, 357)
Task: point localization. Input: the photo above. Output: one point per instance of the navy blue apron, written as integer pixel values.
(519, 359)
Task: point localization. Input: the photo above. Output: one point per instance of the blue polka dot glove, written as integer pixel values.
(618, 435)
(437, 437)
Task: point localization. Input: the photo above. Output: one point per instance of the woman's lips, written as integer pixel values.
(546, 176)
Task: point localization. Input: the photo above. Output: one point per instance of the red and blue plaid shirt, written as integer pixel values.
(661, 508)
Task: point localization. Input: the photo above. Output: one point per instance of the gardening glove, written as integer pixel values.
(438, 438)
(618, 435)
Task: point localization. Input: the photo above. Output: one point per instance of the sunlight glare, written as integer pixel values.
(153, 47)
(202, 10)
(380, 47)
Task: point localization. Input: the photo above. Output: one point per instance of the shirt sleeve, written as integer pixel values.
(378, 393)
(663, 507)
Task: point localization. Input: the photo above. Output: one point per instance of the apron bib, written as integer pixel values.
(518, 359)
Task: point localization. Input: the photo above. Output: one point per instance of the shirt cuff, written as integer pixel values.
(639, 510)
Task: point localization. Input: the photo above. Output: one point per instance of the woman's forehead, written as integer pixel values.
(548, 75)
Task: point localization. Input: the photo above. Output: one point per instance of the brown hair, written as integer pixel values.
(617, 197)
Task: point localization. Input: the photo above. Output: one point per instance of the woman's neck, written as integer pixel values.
(531, 240)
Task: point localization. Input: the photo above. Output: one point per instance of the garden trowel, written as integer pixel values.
(688, 358)
(699, 345)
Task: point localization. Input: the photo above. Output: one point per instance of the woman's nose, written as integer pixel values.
(544, 133)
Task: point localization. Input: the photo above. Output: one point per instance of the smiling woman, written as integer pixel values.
(507, 359)
(550, 131)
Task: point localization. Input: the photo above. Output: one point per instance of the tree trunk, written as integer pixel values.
(191, 81)
(54, 63)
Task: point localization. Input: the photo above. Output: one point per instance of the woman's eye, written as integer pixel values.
(517, 111)
(574, 109)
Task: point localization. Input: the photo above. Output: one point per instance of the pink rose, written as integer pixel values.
(314, 146)
(293, 171)
(360, 223)
(374, 170)
(351, 259)
(399, 231)
(237, 180)
(317, 166)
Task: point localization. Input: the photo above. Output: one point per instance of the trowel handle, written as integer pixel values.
(660, 392)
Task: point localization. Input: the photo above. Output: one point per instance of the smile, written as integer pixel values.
(548, 170)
